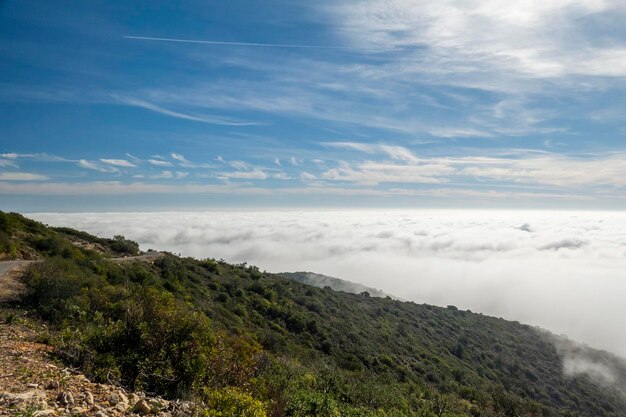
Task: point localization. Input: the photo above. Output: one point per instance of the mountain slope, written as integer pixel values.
(207, 329)
(321, 281)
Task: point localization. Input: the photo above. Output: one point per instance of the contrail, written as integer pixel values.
(262, 45)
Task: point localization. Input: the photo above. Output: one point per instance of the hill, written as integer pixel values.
(321, 281)
(240, 341)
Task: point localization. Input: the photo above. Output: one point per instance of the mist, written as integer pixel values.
(561, 271)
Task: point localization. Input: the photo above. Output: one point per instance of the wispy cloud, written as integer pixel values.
(255, 174)
(118, 163)
(22, 176)
(395, 152)
(185, 163)
(180, 115)
(83, 163)
(159, 163)
(224, 43)
(8, 163)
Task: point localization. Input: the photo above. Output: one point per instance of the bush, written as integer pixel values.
(231, 402)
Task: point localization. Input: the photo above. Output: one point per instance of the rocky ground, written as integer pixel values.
(33, 384)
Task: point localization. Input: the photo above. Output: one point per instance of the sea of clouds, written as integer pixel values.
(563, 271)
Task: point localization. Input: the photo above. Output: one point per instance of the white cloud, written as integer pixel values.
(503, 263)
(281, 176)
(22, 176)
(393, 151)
(183, 162)
(255, 174)
(533, 38)
(305, 176)
(118, 163)
(159, 163)
(373, 173)
(83, 163)
(180, 115)
(240, 165)
(523, 167)
(8, 163)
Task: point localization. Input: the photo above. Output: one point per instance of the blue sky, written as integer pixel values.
(311, 104)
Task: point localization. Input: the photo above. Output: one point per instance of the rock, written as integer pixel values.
(101, 414)
(121, 407)
(45, 413)
(54, 384)
(113, 398)
(78, 411)
(158, 404)
(88, 397)
(36, 397)
(123, 397)
(142, 407)
(33, 385)
(66, 398)
(133, 399)
(82, 378)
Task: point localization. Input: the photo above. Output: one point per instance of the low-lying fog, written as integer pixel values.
(564, 271)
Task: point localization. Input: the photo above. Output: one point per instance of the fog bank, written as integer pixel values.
(564, 271)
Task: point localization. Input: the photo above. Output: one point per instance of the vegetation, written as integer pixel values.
(250, 343)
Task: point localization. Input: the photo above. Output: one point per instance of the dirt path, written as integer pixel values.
(10, 285)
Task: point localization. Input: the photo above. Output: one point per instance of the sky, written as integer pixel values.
(108, 105)
(562, 271)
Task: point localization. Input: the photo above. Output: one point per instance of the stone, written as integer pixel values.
(88, 397)
(66, 398)
(121, 407)
(35, 396)
(113, 398)
(133, 399)
(45, 413)
(123, 398)
(142, 407)
(78, 411)
(101, 414)
(54, 384)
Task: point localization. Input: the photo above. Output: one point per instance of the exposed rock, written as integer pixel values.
(121, 407)
(78, 411)
(142, 407)
(66, 398)
(123, 398)
(36, 397)
(133, 399)
(53, 384)
(45, 413)
(88, 397)
(113, 398)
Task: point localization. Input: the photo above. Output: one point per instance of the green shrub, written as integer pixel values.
(231, 402)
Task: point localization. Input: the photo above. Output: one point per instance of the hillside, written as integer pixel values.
(321, 281)
(244, 342)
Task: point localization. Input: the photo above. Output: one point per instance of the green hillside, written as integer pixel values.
(321, 281)
(250, 343)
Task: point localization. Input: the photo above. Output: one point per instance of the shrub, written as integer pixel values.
(230, 402)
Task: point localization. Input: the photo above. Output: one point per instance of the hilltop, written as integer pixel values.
(235, 340)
